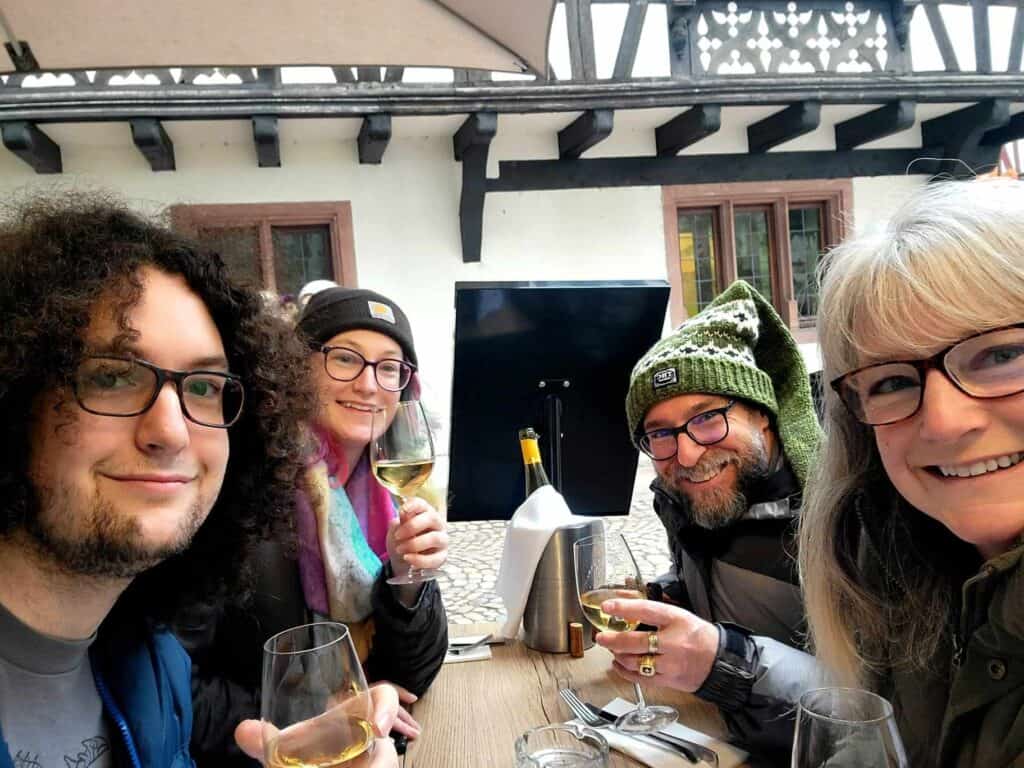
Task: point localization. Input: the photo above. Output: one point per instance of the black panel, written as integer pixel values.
(511, 336)
(33, 146)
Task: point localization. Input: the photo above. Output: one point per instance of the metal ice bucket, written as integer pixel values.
(553, 602)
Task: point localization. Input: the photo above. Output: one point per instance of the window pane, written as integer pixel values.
(239, 248)
(805, 246)
(753, 254)
(697, 259)
(301, 254)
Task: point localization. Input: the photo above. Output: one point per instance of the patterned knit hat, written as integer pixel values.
(737, 346)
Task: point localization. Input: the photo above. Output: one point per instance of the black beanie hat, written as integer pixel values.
(334, 310)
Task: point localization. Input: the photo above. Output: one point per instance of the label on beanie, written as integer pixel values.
(665, 377)
(381, 312)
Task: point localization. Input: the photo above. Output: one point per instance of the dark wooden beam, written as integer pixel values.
(982, 44)
(373, 138)
(688, 128)
(368, 74)
(960, 135)
(22, 57)
(393, 74)
(942, 38)
(33, 146)
(630, 41)
(1017, 43)
(793, 121)
(525, 175)
(472, 143)
(581, 39)
(894, 117)
(1012, 131)
(680, 17)
(268, 147)
(344, 74)
(154, 143)
(590, 128)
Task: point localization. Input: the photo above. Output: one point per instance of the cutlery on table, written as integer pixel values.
(456, 650)
(598, 718)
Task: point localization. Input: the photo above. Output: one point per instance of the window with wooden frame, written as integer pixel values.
(276, 246)
(770, 234)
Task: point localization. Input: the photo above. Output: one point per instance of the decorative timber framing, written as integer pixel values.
(587, 130)
(374, 136)
(795, 120)
(961, 135)
(268, 143)
(193, 219)
(688, 128)
(471, 145)
(154, 143)
(834, 195)
(892, 118)
(33, 146)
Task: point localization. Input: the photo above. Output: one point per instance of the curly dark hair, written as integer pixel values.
(59, 255)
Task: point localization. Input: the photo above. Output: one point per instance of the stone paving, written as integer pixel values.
(475, 552)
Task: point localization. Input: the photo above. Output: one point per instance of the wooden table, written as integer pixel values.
(475, 710)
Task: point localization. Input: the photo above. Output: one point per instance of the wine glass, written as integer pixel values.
(606, 569)
(840, 727)
(315, 703)
(402, 457)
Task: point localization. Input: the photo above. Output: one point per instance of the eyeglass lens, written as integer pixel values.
(346, 365)
(989, 365)
(704, 429)
(112, 387)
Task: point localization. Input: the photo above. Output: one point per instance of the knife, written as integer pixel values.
(691, 750)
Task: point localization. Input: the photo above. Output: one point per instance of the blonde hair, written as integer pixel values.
(949, 263)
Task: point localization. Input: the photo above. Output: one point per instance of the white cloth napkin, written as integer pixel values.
(654, 756)
(525, 538)
(480, 653)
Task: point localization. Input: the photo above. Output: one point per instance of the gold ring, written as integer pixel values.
(647, 665)
(652, 642)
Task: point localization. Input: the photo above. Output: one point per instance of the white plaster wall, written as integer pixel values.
(405, 211)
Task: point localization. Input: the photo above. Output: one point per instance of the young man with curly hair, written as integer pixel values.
(150, 433)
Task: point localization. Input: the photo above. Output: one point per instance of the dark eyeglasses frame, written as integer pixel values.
(327, 349)
(936, 361)
(685, 427)
(163, 375)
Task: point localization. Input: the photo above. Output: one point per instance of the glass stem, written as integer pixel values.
(641, 703)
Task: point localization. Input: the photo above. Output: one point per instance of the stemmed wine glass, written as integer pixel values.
(315, 705)
(846, 727)
(606, 569)
(402, 457)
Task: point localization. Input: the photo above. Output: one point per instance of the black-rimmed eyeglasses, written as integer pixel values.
(344, 364)
(706, 428)
(986, 365)
(108, 385)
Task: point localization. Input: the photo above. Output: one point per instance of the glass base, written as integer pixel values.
(414, 576)
(646, 720)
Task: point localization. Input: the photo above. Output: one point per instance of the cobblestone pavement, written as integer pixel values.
(475, 552)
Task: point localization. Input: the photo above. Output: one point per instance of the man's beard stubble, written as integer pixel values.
(102, 543)
(720, 507)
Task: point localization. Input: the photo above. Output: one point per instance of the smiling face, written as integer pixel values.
(958, 460)
(119, 494)
(712, 478)
(347, 407)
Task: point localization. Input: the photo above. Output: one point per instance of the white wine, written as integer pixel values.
(403, 477)
(301, 746)
(591, 602)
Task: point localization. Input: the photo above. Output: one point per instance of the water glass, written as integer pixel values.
(846, 728)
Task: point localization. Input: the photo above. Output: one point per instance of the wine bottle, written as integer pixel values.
(536, 477)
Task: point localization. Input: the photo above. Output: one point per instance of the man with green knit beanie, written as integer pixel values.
(723, 408)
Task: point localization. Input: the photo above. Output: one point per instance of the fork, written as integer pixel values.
(688, 749)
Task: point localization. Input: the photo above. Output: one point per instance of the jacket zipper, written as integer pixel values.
(118, 718)
(961, 633)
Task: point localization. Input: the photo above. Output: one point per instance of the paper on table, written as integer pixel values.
(481, 653)
(525, 538)
(656, 757)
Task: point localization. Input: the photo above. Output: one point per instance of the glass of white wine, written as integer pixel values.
(315, 704)
(402, 457)
(606, 569)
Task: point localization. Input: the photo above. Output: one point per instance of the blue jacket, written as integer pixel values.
(146, 691)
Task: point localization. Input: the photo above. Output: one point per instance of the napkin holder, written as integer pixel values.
(553, 602)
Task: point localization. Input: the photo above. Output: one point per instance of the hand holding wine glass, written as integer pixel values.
(605, 570)
(402, 457)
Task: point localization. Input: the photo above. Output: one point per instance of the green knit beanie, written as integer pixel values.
(737, 346)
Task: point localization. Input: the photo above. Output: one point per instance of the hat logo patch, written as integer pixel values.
(665, 377)
(381, 312)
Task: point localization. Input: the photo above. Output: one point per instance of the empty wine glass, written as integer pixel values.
(846, 728)
(606, 569)
(402, 457)
(315, 705)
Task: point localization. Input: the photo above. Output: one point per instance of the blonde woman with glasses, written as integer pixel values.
(911, 536)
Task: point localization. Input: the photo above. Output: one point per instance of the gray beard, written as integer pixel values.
(103, 544)
(720, 507)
